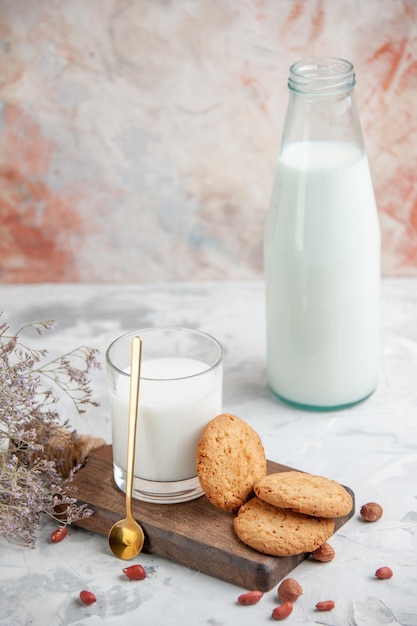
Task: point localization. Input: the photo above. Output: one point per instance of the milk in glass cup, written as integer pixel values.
(180, 391)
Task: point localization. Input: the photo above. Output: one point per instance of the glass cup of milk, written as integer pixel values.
(181, 384)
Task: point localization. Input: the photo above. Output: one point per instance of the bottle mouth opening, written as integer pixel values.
(321, 76)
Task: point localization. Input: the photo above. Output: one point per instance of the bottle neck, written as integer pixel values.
(322, 105)
(321, 76)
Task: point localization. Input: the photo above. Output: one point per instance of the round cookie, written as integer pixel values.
(230, 457)
(280, 532)
(305, 493)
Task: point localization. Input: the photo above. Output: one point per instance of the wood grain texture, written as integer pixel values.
(194, 534)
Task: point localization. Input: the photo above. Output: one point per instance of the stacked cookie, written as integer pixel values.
(281, 514)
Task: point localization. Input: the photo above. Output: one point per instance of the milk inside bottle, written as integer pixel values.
(322, 247)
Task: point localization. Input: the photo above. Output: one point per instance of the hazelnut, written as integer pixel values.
(324, 553)
(289, 590)
(371, 512)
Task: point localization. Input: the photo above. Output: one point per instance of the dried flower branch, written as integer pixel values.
(31, 484)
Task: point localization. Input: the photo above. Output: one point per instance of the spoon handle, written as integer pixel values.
(135, 361)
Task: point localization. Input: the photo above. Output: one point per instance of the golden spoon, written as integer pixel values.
(126, 536)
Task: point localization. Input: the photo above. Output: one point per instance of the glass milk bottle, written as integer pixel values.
(322, 247)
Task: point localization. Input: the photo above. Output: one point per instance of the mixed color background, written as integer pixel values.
(138, 138)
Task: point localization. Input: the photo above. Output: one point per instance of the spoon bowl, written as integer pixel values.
(126, 539)
(126, 536)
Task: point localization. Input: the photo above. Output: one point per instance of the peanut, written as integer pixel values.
(87, 597)
(59, 534)
(250, 597)
(135, 572)
(282, 611)
(384, 572)
(325, 605)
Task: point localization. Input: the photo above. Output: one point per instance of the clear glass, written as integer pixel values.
(180, 391)
(321, 104)
(322, 247)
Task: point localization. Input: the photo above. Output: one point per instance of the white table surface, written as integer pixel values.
(372, 448)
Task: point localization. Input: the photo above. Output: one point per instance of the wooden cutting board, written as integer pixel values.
(195, 534)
